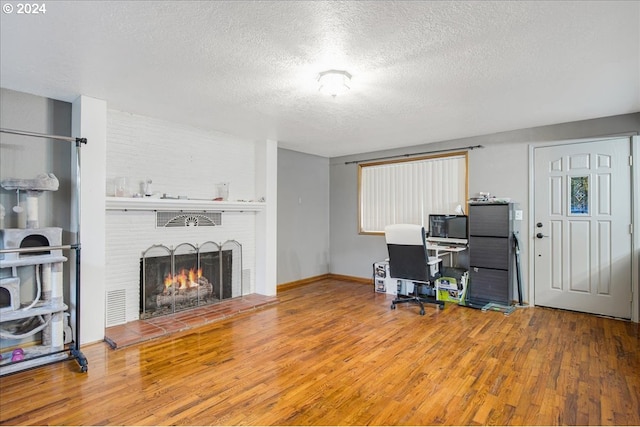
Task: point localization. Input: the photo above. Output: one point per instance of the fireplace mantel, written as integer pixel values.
(155, 204)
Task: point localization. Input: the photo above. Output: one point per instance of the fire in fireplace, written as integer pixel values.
(185, 287)
(188, 276)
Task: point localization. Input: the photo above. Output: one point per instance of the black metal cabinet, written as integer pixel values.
(491, 252)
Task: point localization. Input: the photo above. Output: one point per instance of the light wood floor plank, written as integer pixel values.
(333, 353)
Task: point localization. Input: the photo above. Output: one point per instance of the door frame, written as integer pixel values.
(635, 214)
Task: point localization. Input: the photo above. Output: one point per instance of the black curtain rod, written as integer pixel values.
(471, 147)
(43, 135)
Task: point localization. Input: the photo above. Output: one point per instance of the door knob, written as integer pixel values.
(540, 235)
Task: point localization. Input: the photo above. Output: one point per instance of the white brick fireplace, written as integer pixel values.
(181, 162)
(131, 229)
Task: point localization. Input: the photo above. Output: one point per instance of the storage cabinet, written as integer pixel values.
(491, 253)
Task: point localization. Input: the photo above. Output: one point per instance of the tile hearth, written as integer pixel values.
(143, 330)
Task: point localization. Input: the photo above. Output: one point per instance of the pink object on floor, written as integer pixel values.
(17, 355)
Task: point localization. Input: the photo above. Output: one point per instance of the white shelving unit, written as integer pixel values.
(59, 341)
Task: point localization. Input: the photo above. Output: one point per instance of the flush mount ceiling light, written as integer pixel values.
(334, 82)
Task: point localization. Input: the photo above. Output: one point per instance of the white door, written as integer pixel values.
(582, 227)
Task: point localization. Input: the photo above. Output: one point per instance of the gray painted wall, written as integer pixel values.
(501, 168)
(303, 216)
(26, 157)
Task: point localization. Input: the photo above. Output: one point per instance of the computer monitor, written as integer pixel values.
(452, 229)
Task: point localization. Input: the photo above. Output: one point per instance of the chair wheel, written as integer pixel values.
(421, 312)
(393, 306)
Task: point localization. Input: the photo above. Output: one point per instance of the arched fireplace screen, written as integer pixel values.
(188, 276)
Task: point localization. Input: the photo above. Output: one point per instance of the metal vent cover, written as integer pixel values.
(116, 307)
(188, 219)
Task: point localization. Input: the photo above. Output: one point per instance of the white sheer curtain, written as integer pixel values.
(408, 191)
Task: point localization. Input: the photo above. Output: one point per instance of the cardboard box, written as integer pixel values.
(452, 289)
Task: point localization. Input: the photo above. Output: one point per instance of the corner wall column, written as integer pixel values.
(89, 120)
(267, 220)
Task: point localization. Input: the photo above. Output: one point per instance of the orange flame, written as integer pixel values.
(184, 279)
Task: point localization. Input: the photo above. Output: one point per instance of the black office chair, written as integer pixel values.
(409, 261)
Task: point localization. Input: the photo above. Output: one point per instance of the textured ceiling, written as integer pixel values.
(422, 71)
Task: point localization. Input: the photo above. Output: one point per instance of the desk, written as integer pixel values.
(452, 284)
(445, 249)
(384, 283)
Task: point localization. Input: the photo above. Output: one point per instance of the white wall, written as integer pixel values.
(181, 161)
(89, 120)
(267, 220)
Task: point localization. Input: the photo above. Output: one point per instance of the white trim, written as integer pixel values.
(531, 226)
(635, 217)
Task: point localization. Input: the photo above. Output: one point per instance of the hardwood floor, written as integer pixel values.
(333, 353)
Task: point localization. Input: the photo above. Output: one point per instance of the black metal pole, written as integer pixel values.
(75, 348)
(518, 272)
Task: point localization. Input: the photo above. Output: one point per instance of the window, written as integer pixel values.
(408, 190)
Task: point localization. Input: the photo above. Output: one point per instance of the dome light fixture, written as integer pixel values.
(334, 82)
